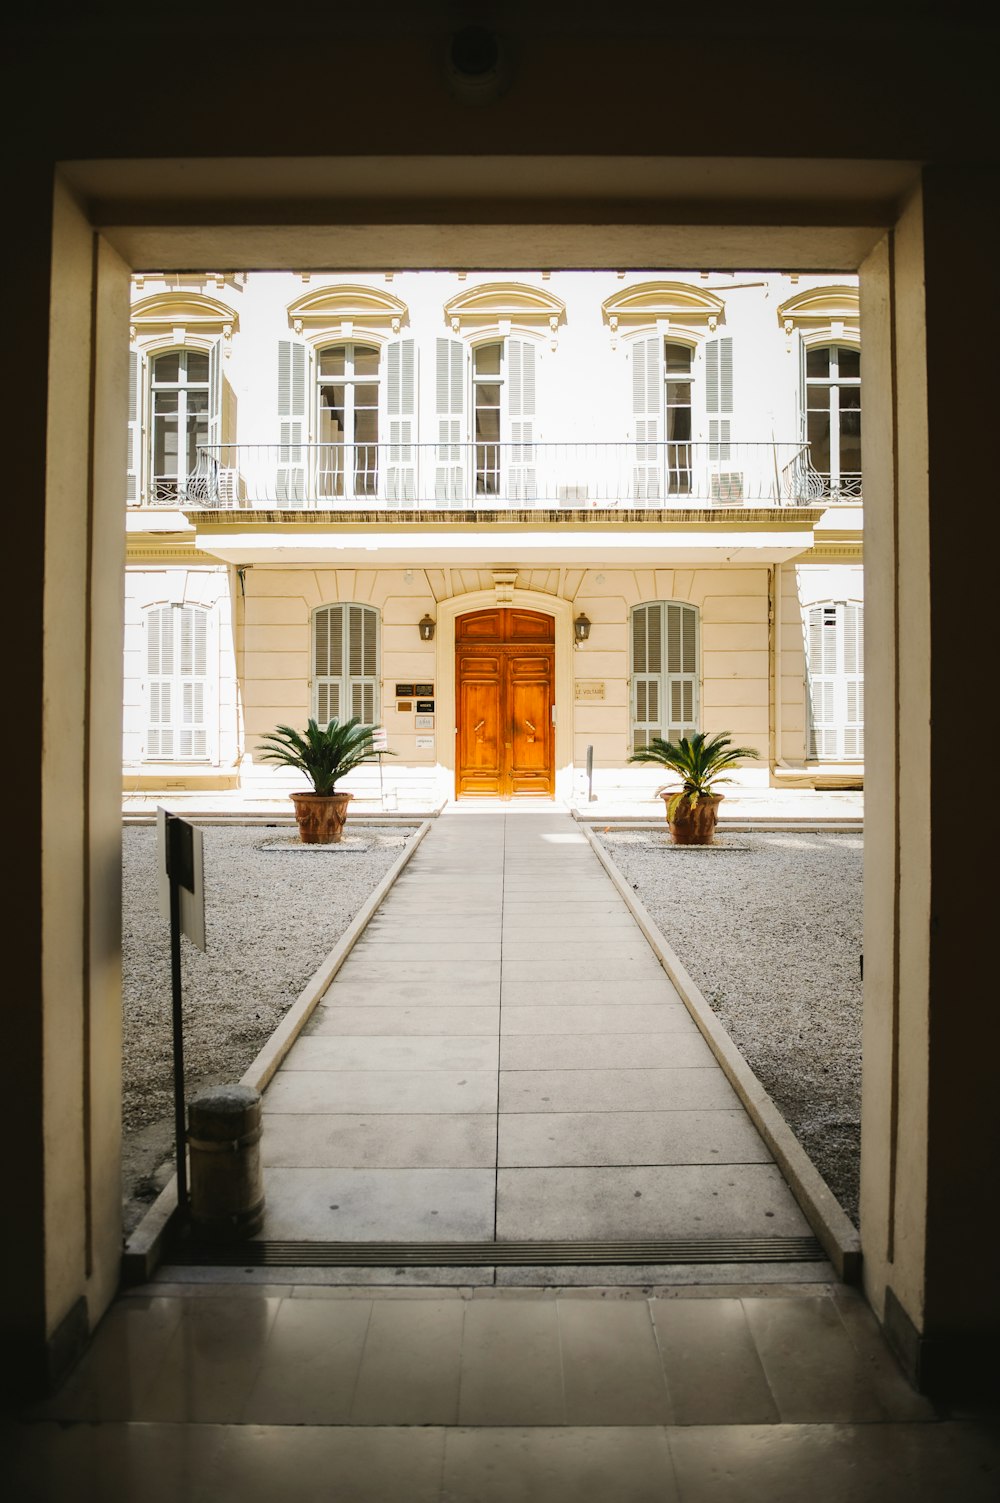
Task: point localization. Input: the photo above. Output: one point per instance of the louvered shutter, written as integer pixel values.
(192, 653)
(664, 671)
(647, 674)
(328, 662)
(725, 484)
(362, 662)
(522, 480)
(292, 421)
(401, 397)
(647, 407)
(823, 660)
(449, 406)
(854, 682)
(345, 663)
(681, 655)
(159, 682)
(134, 460)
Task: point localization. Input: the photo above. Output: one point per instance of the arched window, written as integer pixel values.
(682, 425)
(833, 415)
(346, 663)
(183, 407)
(176, 683)
(347, 427)
(836, 681)
(502, 416)
(665, 679)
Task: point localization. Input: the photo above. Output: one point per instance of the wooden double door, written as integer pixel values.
(505, 692)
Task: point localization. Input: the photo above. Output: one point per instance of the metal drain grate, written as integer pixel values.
(493, 1254)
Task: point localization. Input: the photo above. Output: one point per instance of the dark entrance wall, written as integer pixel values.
(578, 158)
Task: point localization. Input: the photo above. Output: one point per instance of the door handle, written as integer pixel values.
(478, 726)
(529, 727)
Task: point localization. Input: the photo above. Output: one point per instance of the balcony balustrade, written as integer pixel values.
(492, 477)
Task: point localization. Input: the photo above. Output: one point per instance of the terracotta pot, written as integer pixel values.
(694, 824)
(320, 816)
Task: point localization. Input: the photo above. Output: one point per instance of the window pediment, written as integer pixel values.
(492, 303)
(656, 304)
(821, 307)
(175, 313)
(342, 310)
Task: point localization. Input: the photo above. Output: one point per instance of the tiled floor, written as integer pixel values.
(752, 1396)
(502, 1056)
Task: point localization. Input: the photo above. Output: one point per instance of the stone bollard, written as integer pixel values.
(227, 1186)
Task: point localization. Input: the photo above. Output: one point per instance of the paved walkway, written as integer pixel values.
(502, 1057)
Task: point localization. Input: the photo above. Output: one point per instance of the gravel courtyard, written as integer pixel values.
(768, 925)
(273, 910)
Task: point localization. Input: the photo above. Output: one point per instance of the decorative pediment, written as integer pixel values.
(662, 304)
(821, 307)
(493, 304)
(176, 314)
(343, 310)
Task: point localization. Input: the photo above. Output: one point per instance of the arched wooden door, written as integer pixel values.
(504, 694)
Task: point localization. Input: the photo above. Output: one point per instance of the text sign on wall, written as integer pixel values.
(589, 688)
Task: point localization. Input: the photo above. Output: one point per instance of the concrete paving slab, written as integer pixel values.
(632, 970)
(401, 1141)
(443, 972)
(611, 1090)
(622, 1018)
(581, 1139)
(677, 1200)
(357, 989)
(385, 950)
(412, 1021)
(618, 949)
(602, 1051)
(382, 1091)
(361, 1205)
(385, 1052)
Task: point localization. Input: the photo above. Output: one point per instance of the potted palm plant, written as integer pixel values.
(693, 809)
(325, 754)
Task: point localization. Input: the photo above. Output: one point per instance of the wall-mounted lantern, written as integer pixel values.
(426, 628)
(581, 628)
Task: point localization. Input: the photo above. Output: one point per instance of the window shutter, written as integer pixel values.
(835, 681)
(647, 407)
(401, 384)
(647, 665)
(292, 396)
(345, 663)
(177, 683)
(719, 400)
(449, 407)
(134, 461)
(522, 481)
(664, 671)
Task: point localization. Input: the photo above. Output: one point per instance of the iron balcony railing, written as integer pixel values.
(461, 477)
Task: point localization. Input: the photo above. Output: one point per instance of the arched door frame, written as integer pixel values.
(448, 612)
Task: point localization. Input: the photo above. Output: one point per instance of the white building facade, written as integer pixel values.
(524, 522)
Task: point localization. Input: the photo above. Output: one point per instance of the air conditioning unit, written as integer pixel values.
(573, 493)
(229, 488)
(727, 487)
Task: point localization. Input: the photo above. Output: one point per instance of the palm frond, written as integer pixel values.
(699, 760)
(324, 753)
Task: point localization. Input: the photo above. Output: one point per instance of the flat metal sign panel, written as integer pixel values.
(423, 722)
(380, 739)
(419, 689)
(425, 743)
(192, 904)
(589, 688)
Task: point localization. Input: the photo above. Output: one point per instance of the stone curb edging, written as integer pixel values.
(833, 1227)
(144, 1247)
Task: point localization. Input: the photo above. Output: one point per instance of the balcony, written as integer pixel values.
(506, 477)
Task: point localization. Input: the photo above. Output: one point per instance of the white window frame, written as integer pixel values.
(665, 671)
(188, 691)
(835, 681)
(340, 481)
(516, 460)
(841, 483)
(164, 489)
(346, 657)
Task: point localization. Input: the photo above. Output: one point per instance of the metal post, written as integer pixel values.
(178, 867)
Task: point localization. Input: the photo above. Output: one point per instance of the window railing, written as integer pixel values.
(462, 477)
